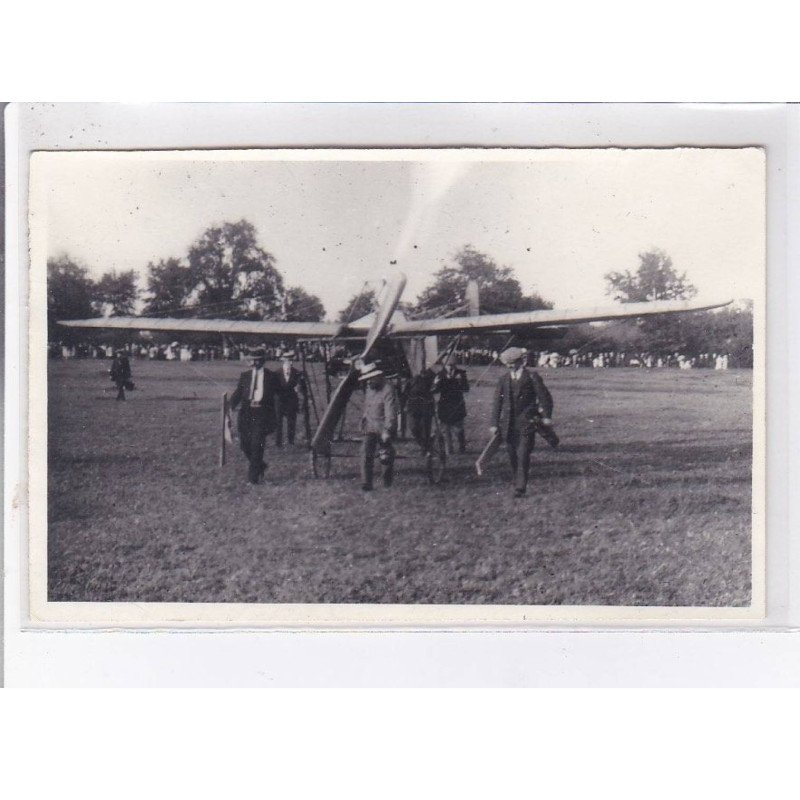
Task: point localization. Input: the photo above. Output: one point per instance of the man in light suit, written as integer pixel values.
(291, 384)
(255, 396)
(522, 406)
(379, 424)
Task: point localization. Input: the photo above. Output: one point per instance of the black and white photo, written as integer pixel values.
(397, 386)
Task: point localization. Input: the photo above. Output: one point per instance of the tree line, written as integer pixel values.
(227, 274)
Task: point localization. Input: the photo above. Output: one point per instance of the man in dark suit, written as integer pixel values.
(522, 405)
(290, 385)
(121, 373)
(255, 396)
(420, 407)
(451, 384)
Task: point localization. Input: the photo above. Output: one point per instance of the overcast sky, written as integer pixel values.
(560, 218)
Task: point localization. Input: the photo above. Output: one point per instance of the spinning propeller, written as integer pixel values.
(321, 443)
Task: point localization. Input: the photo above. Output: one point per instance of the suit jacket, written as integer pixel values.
(120, 369)
(380, 410)
(287, 389)
(451, 388)
(241, 398)
(419, 394)
(519, 404)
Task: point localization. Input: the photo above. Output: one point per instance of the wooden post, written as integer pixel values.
(306, 418)
(222, 441)
(326, 356)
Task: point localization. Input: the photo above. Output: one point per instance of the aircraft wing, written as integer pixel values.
(309, 330)
(546, 317)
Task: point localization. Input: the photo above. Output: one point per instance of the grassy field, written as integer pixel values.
(647, 502)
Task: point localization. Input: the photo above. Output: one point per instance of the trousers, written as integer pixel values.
(369, 447)
(421, 426)
(520, 447)
(290, 415)
(253, 431)
(449, 430)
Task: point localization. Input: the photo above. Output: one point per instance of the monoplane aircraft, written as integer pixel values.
(389, 323)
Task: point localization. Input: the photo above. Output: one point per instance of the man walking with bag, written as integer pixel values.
(522, 406)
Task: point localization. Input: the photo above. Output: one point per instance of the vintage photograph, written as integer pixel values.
(396, 386)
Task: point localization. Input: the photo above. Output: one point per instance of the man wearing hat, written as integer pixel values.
(255, 396)
(121, 373)
(451, 384)
(420, 407)
(379, 424)
(291, 384)
(522, 405)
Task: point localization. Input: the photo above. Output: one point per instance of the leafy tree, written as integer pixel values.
(300, 306)
(115, 293)
(232, 276)
(729, 330)
(70, 292)
(500, 290)
(169, 284)
(359, 305)
(655, 279)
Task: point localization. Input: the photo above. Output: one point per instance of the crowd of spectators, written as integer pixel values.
(546, 359)
(175, 351)
(473, 356)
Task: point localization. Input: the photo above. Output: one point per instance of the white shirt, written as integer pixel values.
(257, 385)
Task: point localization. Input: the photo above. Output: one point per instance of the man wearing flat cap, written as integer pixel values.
(290, 386)
(522, 406)
(255, 396)
(379, 424)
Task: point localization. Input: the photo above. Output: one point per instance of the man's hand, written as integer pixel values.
(493, 430)
(385, 437)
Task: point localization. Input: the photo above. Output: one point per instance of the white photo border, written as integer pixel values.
(774, 127)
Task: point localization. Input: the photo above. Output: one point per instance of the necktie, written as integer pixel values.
(255, 387)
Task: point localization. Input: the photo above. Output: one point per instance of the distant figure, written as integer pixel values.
(451, 385)
(256, 394)
(522, 406)
(379, 424)
(121, 373)
(291, 384)
(420, 407)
